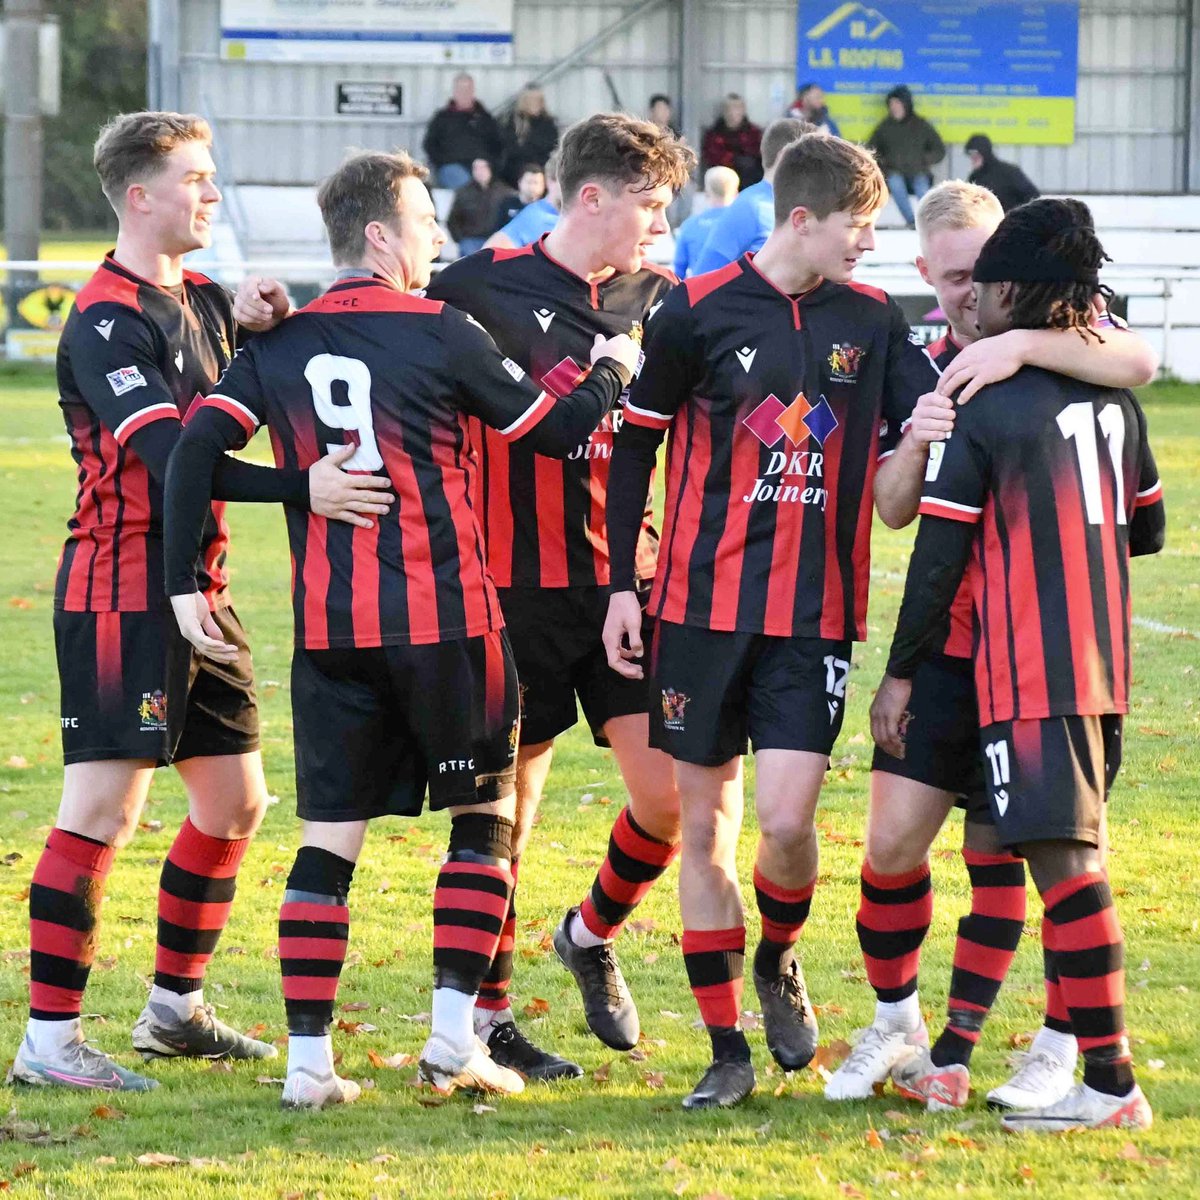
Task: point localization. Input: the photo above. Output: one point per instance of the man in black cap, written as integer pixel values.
(1010, 185)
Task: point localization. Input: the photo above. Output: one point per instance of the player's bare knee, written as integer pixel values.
(657, 812)
(891, 852)
(785, 832)
(1054, 862)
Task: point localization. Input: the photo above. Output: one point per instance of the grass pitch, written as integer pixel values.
(619, 1132)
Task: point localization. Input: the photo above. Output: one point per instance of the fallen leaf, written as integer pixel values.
(269, 1080)
(1017, 1040)
(537, 1007)
(1130, 1152)
(873, 1139)
(961, 1139)
(256, 1031)
(645, 925)
(637, 1056)
(106, 1112)
(383, 1158)
(601, 1073)
(828, 1057)
(154, 1159)
(480, 1109)
(24, 1168)
(848, 1189)
(681, 1187)
(1156, 1064)
(431, 1099)
(19, 602)
(671, 1016)
(355, 1006)
(17, 762)
(672, 1164)
(220, 1065)
(105, 1160)
(654, 1079)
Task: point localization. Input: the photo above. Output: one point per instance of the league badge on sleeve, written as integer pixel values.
(125, 379)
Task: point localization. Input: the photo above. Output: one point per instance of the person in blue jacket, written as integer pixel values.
(720, 187)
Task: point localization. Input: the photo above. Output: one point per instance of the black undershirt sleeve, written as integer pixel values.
(232, 479)
(935, 571)
(635, 450)
(572, 418)
(191, 478)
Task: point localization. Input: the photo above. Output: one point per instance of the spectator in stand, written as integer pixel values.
(473, 215)
(660, 112)
(530, 134)
(809, 105)
(906, 146)
(534, 219)
(720, 187)
(1006, 181)
(734, 141)
(531, 186)
(459, 134)
(745, 224)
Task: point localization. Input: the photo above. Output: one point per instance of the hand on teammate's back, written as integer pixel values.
(622, 634)
(196, 623)
(340, 496)
(622, 348)
(932, 419)
(988, 360)
(260, 303)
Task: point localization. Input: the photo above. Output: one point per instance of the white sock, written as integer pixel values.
(182, 1004)
(899, 1015)
(581, 935)
(47, 1037)
(1062, 1046)
(486, 1019)
(451, 1018)
(310, 1053)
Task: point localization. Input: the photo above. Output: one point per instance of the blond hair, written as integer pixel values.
(956, 204)
(133, 147)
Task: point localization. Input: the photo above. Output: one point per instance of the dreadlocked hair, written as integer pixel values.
(1065, 229)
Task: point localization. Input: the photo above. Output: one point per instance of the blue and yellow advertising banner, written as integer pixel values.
(1006, 68)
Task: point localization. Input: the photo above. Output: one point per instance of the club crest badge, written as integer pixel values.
(844, 361)
(673, 705)
(153, 711)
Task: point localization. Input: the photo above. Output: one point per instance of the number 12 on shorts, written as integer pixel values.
(997, 756)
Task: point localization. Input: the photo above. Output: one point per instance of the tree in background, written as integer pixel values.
(103, 73)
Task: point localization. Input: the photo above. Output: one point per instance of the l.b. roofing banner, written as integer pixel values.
(1006, 68)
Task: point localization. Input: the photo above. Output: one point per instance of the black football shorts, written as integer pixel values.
(716, 692)
(941, 742)
(374, 727)
(132, 687)
(1048, 780)
(556, 638)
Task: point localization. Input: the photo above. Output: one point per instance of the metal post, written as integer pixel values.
(162, 76)
(690, 69)
(1191, 122)
(22, 132)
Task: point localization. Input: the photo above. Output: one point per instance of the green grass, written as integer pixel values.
(626, 1136)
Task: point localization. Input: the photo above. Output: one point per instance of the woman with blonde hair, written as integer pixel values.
(530, 134)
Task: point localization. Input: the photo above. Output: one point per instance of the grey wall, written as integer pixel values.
(276, 122)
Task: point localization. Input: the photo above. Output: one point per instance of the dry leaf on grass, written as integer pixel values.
(848, 1189)
(256, 1031)
(154, 1159)
(106, 1112)
(873, 1139)
(643, 925)
(537, 1007)
(672, 1164)
(601, 1073)
(355, 1006)
(829, 1057)
(654, 1079)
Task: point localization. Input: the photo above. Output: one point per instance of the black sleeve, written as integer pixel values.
(935, 148)
(935, 571)
(233, 479)
(497, 391)
(1148, 525)
(189, 493)
(635, 449)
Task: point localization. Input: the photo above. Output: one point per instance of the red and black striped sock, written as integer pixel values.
(1057, 1017)
(64, 914)
(470, 901)
(195, 895)
(493, 991)
(893, 919)
(783, 912)
(1089, 953)
(715, 961)
(988, 937)
(633, 863)
(314, 929)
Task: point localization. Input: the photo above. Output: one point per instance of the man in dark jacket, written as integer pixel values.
(906, 146)
(1006, 181)
(459, 134)
(473, 216)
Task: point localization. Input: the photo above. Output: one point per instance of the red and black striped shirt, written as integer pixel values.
(133, 353)
(1057, 479)
(397, 375)
(543, 519)
(774, 405)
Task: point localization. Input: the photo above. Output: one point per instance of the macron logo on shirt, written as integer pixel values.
(544, 317)
(105, 328)
(746, 357)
